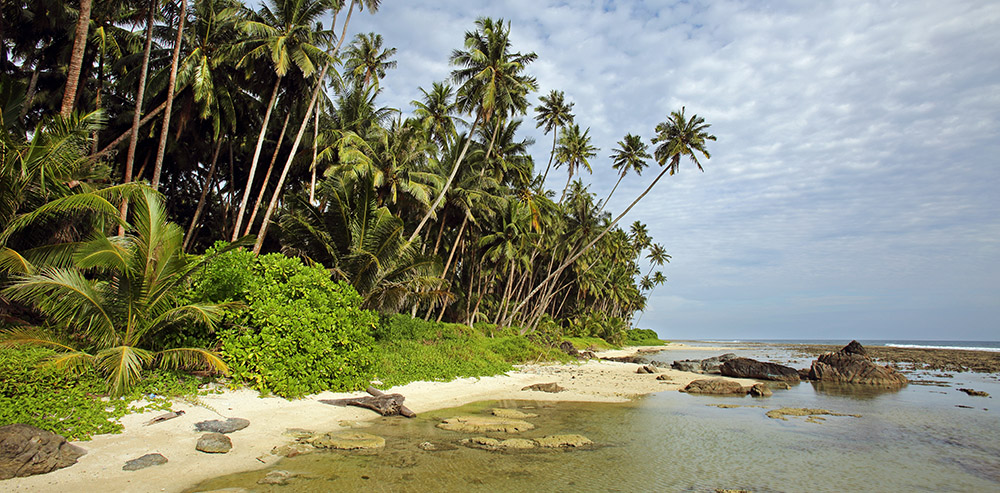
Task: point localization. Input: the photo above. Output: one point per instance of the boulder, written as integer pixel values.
(760, 390)
(485, 424)
(214, 443)
(647, 369)
(803, 373)
(228, 426)
(761, 370)
(26, 451)
(713, 364)
(852, 365)
(143, 462)
(664, 377)
(719, 386)
(348, 440)
(688, 365)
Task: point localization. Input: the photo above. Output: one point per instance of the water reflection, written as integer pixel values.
(853, 391)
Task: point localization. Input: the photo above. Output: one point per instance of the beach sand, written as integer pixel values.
(101, 468)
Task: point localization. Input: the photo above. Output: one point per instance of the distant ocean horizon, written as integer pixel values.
(993, 346)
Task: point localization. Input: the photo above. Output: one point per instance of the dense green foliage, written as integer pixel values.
(300, 332)
(642, 337)
(72, 404)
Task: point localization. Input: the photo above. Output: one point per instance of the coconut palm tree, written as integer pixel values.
(171, 85)
(119, 294)
(631, 154)
(76, 59)
(365, 59)
(554, 113)
(574, 150)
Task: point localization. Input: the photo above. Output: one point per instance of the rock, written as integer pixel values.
(688, 365)
(143, 462)
(435, 447)
(563, 441)
(713, 364)
(228, 426)
(647, 369)
(810, 414)
(511, 413)
(278, 477)
(545, 387)
(293, 449)
(485, 424)
(760, 390)
(851, 365)
(664, 377)
(782, 386)
(486, 443)
(750, 368)
(588, 355)
(214, 443)
(803, 374)
(26, 451)
(719, 386)
(348, 440)
(975, 393)
(568, 348)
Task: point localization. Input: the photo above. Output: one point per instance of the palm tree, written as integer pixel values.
(76, 60)
(492, 82)
(630, 155)
(171, 85)
(133, 292)
(678, 136)
(574, 150)
(284, 33)
(554, 113)
(133, 141)
(436, 112)
(365, 58)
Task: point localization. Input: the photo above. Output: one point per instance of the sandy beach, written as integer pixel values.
(101, 468)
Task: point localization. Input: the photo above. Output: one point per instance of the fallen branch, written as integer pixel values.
(380, 402)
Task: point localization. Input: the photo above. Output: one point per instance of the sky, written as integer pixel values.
(854, 190)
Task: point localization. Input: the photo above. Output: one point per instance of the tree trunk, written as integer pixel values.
(76, 59)
(128, 133)
(551, 155)
(568, 180)
(267, 176)
(605, 204)
(447, 265)
(447, 185)
(204, 195)
(134, 136)
(288, 163)
(312, 182)
(30, 95)
(171, 85)
(256, 158)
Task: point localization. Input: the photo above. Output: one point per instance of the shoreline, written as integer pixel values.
(271, 417)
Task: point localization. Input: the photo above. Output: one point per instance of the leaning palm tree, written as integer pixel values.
(574, 150)
(554, 113)
(120, 292)
(631, 155)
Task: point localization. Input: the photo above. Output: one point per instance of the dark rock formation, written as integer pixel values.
(228, 426)
(750, 368)
(214, 443)
(688, 365)
(852, 365)
(974, 393)
(26, 451)
(720, 386)
(707, 365)
(568, 348)
(143, 462)
(647, 369)
(760, 390)
(804, 373)
(545, 387)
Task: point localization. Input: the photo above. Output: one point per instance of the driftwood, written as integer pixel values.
(380, 402)
(163, 417)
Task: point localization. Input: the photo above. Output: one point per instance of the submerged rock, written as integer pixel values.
(852, 365)
(718, 386)
(485, 424)
(563, 441)
(511, 413)
(26, 450)
(143, 462)
(486, 443)
(214, 443)
(279, 478)
(228, 426)
(974, 393)
(812, 415)
(348, 440)
(293, 449)
(435, 446)
(750, 368)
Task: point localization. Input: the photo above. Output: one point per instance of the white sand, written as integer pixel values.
(101, 468)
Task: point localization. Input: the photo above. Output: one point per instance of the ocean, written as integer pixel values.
(992, 346)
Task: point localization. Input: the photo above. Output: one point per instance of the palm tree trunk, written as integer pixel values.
(267, 176)
(134, 137)
(256, 158)
(76, 59)
(128, 133)
(568, 180)
(551, 155)
(447, 185)
(447, 265)
(605, 204)
(30, 95)
(312, 181)
(288, 164)
(171, 85)
(204, 194)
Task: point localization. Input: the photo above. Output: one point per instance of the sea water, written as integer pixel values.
(913, 439)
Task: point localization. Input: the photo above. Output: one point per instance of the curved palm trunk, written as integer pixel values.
(312, 181)
(605, 204)
(171, 85)
(568, 180)
(134, 135)
(128, 133)
(204, 195)
(552, 154)
(267, 176)
(288, 164)
(580, 252)
(76, 59)
(256, 159)
(30, 95)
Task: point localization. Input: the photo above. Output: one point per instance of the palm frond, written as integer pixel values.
(191, 357)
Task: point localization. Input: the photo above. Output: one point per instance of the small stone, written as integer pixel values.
(228, 426)
(349, 440)
(563, 441)
(143, 462)
(214, 443)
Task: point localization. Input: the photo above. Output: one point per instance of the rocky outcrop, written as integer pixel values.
(707, 365)
(761, 370)
(485, 424)
(228, 426)
(852, 365)
(717, 386)
(348, 440)
(26, 451)
(145, 461)
(214, 443)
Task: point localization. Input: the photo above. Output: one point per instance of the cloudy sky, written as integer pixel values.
(854, 190)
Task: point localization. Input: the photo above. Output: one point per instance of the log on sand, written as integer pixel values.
(380, 402)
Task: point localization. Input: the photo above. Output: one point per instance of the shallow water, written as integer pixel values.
(914, 439)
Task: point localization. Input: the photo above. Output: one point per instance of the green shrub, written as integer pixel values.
(588, 342)
(300, 332)
(642, 337)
